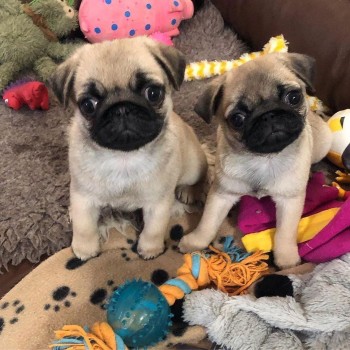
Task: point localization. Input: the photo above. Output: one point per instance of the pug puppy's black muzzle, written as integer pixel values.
(273, 130)
(126, 126)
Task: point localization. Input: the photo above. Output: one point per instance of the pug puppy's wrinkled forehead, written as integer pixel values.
(265, 78)
(118, 64)
(132, 64)
(257, 81)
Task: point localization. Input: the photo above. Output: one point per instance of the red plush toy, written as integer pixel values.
(32, 93)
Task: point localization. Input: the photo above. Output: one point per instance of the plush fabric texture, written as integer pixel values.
(34, 174)
(317, 317)
(63, 290)
(29, 42)
(314, 27)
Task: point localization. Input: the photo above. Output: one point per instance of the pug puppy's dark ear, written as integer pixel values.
(209, 102)
(173, 63)
(303, 66)
(62, 81)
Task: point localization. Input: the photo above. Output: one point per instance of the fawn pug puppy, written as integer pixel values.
(127, 147)
(267, 140)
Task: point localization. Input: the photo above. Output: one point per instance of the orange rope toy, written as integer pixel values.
(230, 271)
(100, 337)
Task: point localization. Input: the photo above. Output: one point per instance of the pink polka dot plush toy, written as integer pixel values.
(114, 19)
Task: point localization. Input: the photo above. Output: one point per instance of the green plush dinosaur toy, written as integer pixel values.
(29, 37)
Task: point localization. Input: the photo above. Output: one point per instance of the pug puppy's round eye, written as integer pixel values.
(154, 94)
(293, 98)
(87, 106)
(236, 120)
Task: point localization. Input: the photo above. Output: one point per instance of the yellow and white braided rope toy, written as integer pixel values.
(208, 69)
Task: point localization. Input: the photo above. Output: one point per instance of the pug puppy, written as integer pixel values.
(127, 148)
(267, 140)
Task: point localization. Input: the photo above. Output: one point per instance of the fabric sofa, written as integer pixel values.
(319, 28)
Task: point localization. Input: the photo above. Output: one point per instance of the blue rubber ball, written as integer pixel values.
(139, 314)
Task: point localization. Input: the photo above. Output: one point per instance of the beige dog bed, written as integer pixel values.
(63, 290)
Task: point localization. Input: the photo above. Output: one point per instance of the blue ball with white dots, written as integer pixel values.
(139, 313)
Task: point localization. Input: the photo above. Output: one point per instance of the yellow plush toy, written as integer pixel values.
(208, 69)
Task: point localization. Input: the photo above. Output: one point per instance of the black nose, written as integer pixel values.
(120, 110)
(126, 110)
(268, 117)
(274, 120)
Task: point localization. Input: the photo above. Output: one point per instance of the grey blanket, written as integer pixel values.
(317, 317)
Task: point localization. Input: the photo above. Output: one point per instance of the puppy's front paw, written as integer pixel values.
(190, 194)
(192, 242)
(148, 249)
(287, 258)
(86, 249)
(185, 194)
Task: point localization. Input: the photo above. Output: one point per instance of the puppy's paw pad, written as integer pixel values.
(150, 253)
(190, 194)
(184, 194)
(148, 250)
(287, 261)
(85, 251)
(191, 243)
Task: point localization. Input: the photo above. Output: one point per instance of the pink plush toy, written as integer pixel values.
(114, 19)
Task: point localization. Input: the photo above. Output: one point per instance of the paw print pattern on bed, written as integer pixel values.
(61, 297)
(15, 307)
(100, 296)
